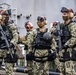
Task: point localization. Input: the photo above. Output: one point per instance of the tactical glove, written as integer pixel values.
(30, 56)
(65, 46)
(12, 45)
(55, 32)
(26, 47)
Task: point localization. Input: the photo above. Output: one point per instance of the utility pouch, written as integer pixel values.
(73, 55)
(30, 56)
(51, 56)
(10, 59)
(66, 57)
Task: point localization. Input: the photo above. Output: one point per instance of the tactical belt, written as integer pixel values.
(41, 57)
(50, 57)
(41, 60)
(42, 47)
(67, 57)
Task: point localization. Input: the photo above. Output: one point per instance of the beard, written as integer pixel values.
(65, 18)
(40, 26)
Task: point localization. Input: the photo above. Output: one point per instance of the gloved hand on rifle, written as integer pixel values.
(12, 45)
(55, 32)
(26, 47)
(19, 42)
(30, 56)
(65, 46)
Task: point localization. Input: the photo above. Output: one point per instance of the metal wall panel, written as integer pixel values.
(49, 8)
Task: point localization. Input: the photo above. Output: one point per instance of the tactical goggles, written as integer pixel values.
(41, 19)
(64, 10)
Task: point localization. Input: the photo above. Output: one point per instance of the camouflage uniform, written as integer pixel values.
(68, 29)
(68, 66)
(68, 38)
(27, 41)
(41, 68)
(4, 52)
(57, 64)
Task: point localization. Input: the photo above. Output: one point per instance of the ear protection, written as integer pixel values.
(28, 25)
(71, 13)
(45, 21)
(0, 17)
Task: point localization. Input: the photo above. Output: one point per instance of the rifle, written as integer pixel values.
(59, 36)
(6, 41)
(59, 42)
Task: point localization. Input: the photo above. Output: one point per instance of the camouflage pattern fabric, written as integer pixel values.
(27, 41)
(29, 38)
(57, 64)
(9, 69)
(30, 66)
(14, 33)
(29, 63)
(69, 65)
(4, 52)
(41, 68)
